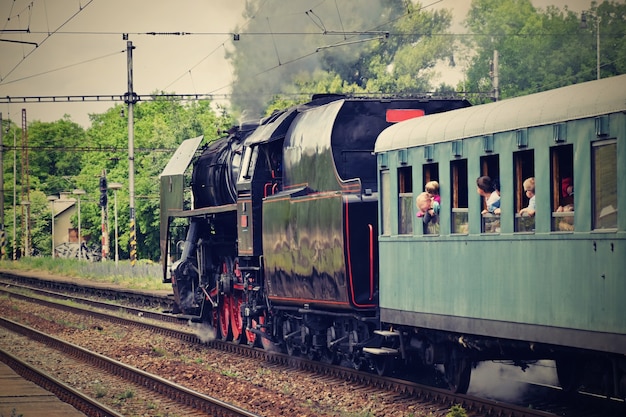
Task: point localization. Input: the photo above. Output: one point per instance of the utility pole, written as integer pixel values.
(495, 76)
(130, 98)
(3, 237)
(25, 193)
(103, 211)
(14, 194)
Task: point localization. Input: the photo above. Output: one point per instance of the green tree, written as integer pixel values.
(39, 218)
(62, 157)
(540, 50)
(55, 152)
(159, 127)
(404, 63)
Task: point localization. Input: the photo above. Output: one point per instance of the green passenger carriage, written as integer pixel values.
(472, 287)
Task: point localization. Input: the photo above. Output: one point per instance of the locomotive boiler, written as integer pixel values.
(280, 245)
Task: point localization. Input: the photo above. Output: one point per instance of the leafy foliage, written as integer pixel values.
(63, 156)
(159, 127)
(540, 50)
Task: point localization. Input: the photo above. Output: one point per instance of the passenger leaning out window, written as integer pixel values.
(486, 189)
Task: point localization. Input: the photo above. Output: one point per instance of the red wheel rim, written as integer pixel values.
(224, 316)
(236, 321)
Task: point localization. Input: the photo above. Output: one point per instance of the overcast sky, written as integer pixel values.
(81, 51)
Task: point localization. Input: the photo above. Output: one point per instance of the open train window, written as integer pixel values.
(405, 200)
(604, 177)
(430, 173)
(562, 187)
(385, 203)
(524, 189)
(458, 196)
(490, 166)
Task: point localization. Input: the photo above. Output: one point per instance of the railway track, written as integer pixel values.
(139, 299)
(401, 389)
(189, 402)
(63, 391)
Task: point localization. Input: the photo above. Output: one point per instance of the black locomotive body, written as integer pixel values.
(281, 245)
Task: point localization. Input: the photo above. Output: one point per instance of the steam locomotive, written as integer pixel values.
(281, 243)
(302, 234)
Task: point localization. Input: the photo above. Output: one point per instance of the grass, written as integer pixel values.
(144, 275)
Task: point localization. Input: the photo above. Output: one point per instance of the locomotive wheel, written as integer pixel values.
(330, 357)
(223, 316)
(384, 365)
(236, 321)
(290, 347)
(458, 370)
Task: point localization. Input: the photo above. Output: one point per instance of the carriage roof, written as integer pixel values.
(587, 99)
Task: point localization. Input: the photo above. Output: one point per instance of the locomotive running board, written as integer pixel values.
(387, 333)
(381, 351)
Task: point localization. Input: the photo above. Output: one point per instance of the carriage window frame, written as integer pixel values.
(430, 172)
(405, 200)
(385, 202)
(604, 185)
(490, 165)
(524, 168)
(459, 193)
(562, 174)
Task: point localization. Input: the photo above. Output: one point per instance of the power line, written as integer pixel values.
(48, 37)
(324, 33)
(105, 98)
(86, 149)
(3, 82)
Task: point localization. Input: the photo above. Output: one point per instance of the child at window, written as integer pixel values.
(432, 188)
(529, 189)
(427, 207)
(486, 189)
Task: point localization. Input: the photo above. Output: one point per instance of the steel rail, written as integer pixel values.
(64, 392)
(407, 389)
(178, 393)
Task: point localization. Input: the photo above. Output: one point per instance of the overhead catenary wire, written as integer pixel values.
(81, 8)
(4, 82)
(85, 149)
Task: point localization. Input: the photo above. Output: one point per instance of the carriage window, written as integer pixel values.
(405, 200)
(490, 221)
(430, 174)
(385, 204)
(524, 189)
(562, 188)
(458, 197)
(604, 174)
